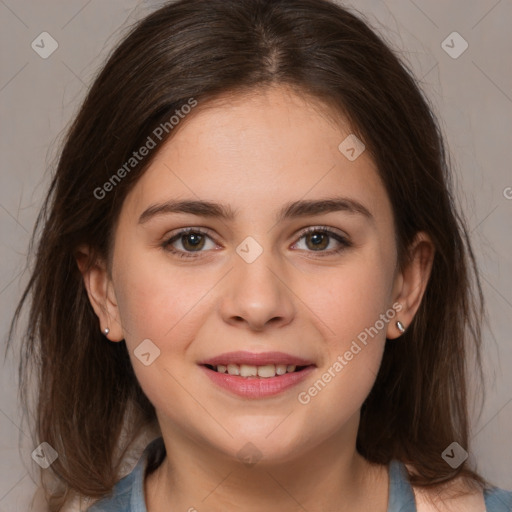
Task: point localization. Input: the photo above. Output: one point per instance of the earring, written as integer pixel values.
(106, 331)
(400, 327)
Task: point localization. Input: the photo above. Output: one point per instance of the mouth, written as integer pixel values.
(252, 375)
(247, 371)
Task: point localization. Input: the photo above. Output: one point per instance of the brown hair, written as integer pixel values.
(205, 49)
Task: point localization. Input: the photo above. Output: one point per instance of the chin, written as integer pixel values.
(268, 445)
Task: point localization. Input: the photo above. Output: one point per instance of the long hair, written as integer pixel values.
(205, 49)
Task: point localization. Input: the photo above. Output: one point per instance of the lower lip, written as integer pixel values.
(256, 387)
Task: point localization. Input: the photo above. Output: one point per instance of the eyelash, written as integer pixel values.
(167, 245)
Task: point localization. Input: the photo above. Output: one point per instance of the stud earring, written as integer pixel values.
(400, 327)
(106, 331)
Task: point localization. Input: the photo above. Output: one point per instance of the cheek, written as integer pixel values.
(354, 311)
(157, 300)
(351, 298)
(352, 359)
(165, 305)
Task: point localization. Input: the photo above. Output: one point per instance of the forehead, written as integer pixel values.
(259, 148)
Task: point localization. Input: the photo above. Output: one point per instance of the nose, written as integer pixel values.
(257, 295)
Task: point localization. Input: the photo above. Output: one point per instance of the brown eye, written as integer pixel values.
(192, 241)
(318, 239)
(187, 242)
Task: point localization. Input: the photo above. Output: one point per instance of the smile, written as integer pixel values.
(256, 375)
(264, 372)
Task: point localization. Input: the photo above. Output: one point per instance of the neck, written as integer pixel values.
(332, 476)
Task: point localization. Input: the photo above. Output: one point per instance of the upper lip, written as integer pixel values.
(256, 359)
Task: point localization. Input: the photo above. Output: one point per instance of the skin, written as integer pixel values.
(257, 152)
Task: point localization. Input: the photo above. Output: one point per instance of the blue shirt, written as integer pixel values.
(128, 493)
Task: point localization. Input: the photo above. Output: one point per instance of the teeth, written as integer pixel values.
(233, 369)
(249, 370)
(280, 369)
(268, 370)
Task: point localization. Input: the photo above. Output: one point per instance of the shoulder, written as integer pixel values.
(498, 500)
(459, 496)
(119, 500)
(451, 498)
(128, 493)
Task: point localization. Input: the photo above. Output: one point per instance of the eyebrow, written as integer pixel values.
(301, 208)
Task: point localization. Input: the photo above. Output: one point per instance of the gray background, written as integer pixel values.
(472, 94)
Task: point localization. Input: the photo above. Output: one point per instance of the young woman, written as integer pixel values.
(250, 246)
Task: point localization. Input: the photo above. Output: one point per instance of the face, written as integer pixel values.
(282, 280)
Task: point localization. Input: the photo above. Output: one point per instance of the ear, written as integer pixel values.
(411, 282)
(101, 292)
